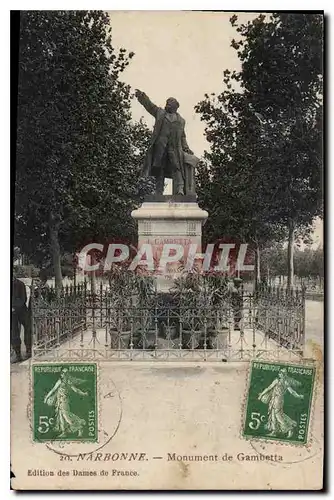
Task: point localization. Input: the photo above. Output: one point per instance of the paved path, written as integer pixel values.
(315, 321)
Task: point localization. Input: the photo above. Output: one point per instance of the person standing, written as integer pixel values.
(20, 317)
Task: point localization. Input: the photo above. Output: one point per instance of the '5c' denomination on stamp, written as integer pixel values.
(279, 402)
(65, 402)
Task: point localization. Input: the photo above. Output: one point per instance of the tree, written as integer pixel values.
(120, 190)
(76, 174)
(274, 261)
(264, 130)
(310, 264)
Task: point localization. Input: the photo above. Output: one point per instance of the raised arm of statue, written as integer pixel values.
(145, 101)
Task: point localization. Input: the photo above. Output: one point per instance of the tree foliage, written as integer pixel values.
(262, 177)
(77, 164)
(309, 262)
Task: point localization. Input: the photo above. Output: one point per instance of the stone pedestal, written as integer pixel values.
(174, 219)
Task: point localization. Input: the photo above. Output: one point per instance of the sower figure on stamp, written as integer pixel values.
(169, 155)
(20, 317)
(59, 396)
(278, 421)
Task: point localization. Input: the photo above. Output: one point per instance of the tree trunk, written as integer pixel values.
(291, 242)
(257, 266)
(55, 251)
(75, 274)
(92, 275)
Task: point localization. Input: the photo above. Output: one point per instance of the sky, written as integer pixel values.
(179, 54)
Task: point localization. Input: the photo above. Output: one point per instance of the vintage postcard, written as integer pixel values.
(167, 274)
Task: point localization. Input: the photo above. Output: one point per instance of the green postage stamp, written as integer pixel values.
(279, 402)
(65, 402)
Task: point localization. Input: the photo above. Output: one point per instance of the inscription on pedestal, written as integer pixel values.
(174, 222)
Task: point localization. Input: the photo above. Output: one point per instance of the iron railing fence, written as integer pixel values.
(112, 323)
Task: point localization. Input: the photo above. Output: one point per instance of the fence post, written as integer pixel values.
(32, 305)
(85, 304)
(303, 321)
(101, 304)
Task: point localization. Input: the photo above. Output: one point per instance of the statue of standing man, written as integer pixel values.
(168, 155)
